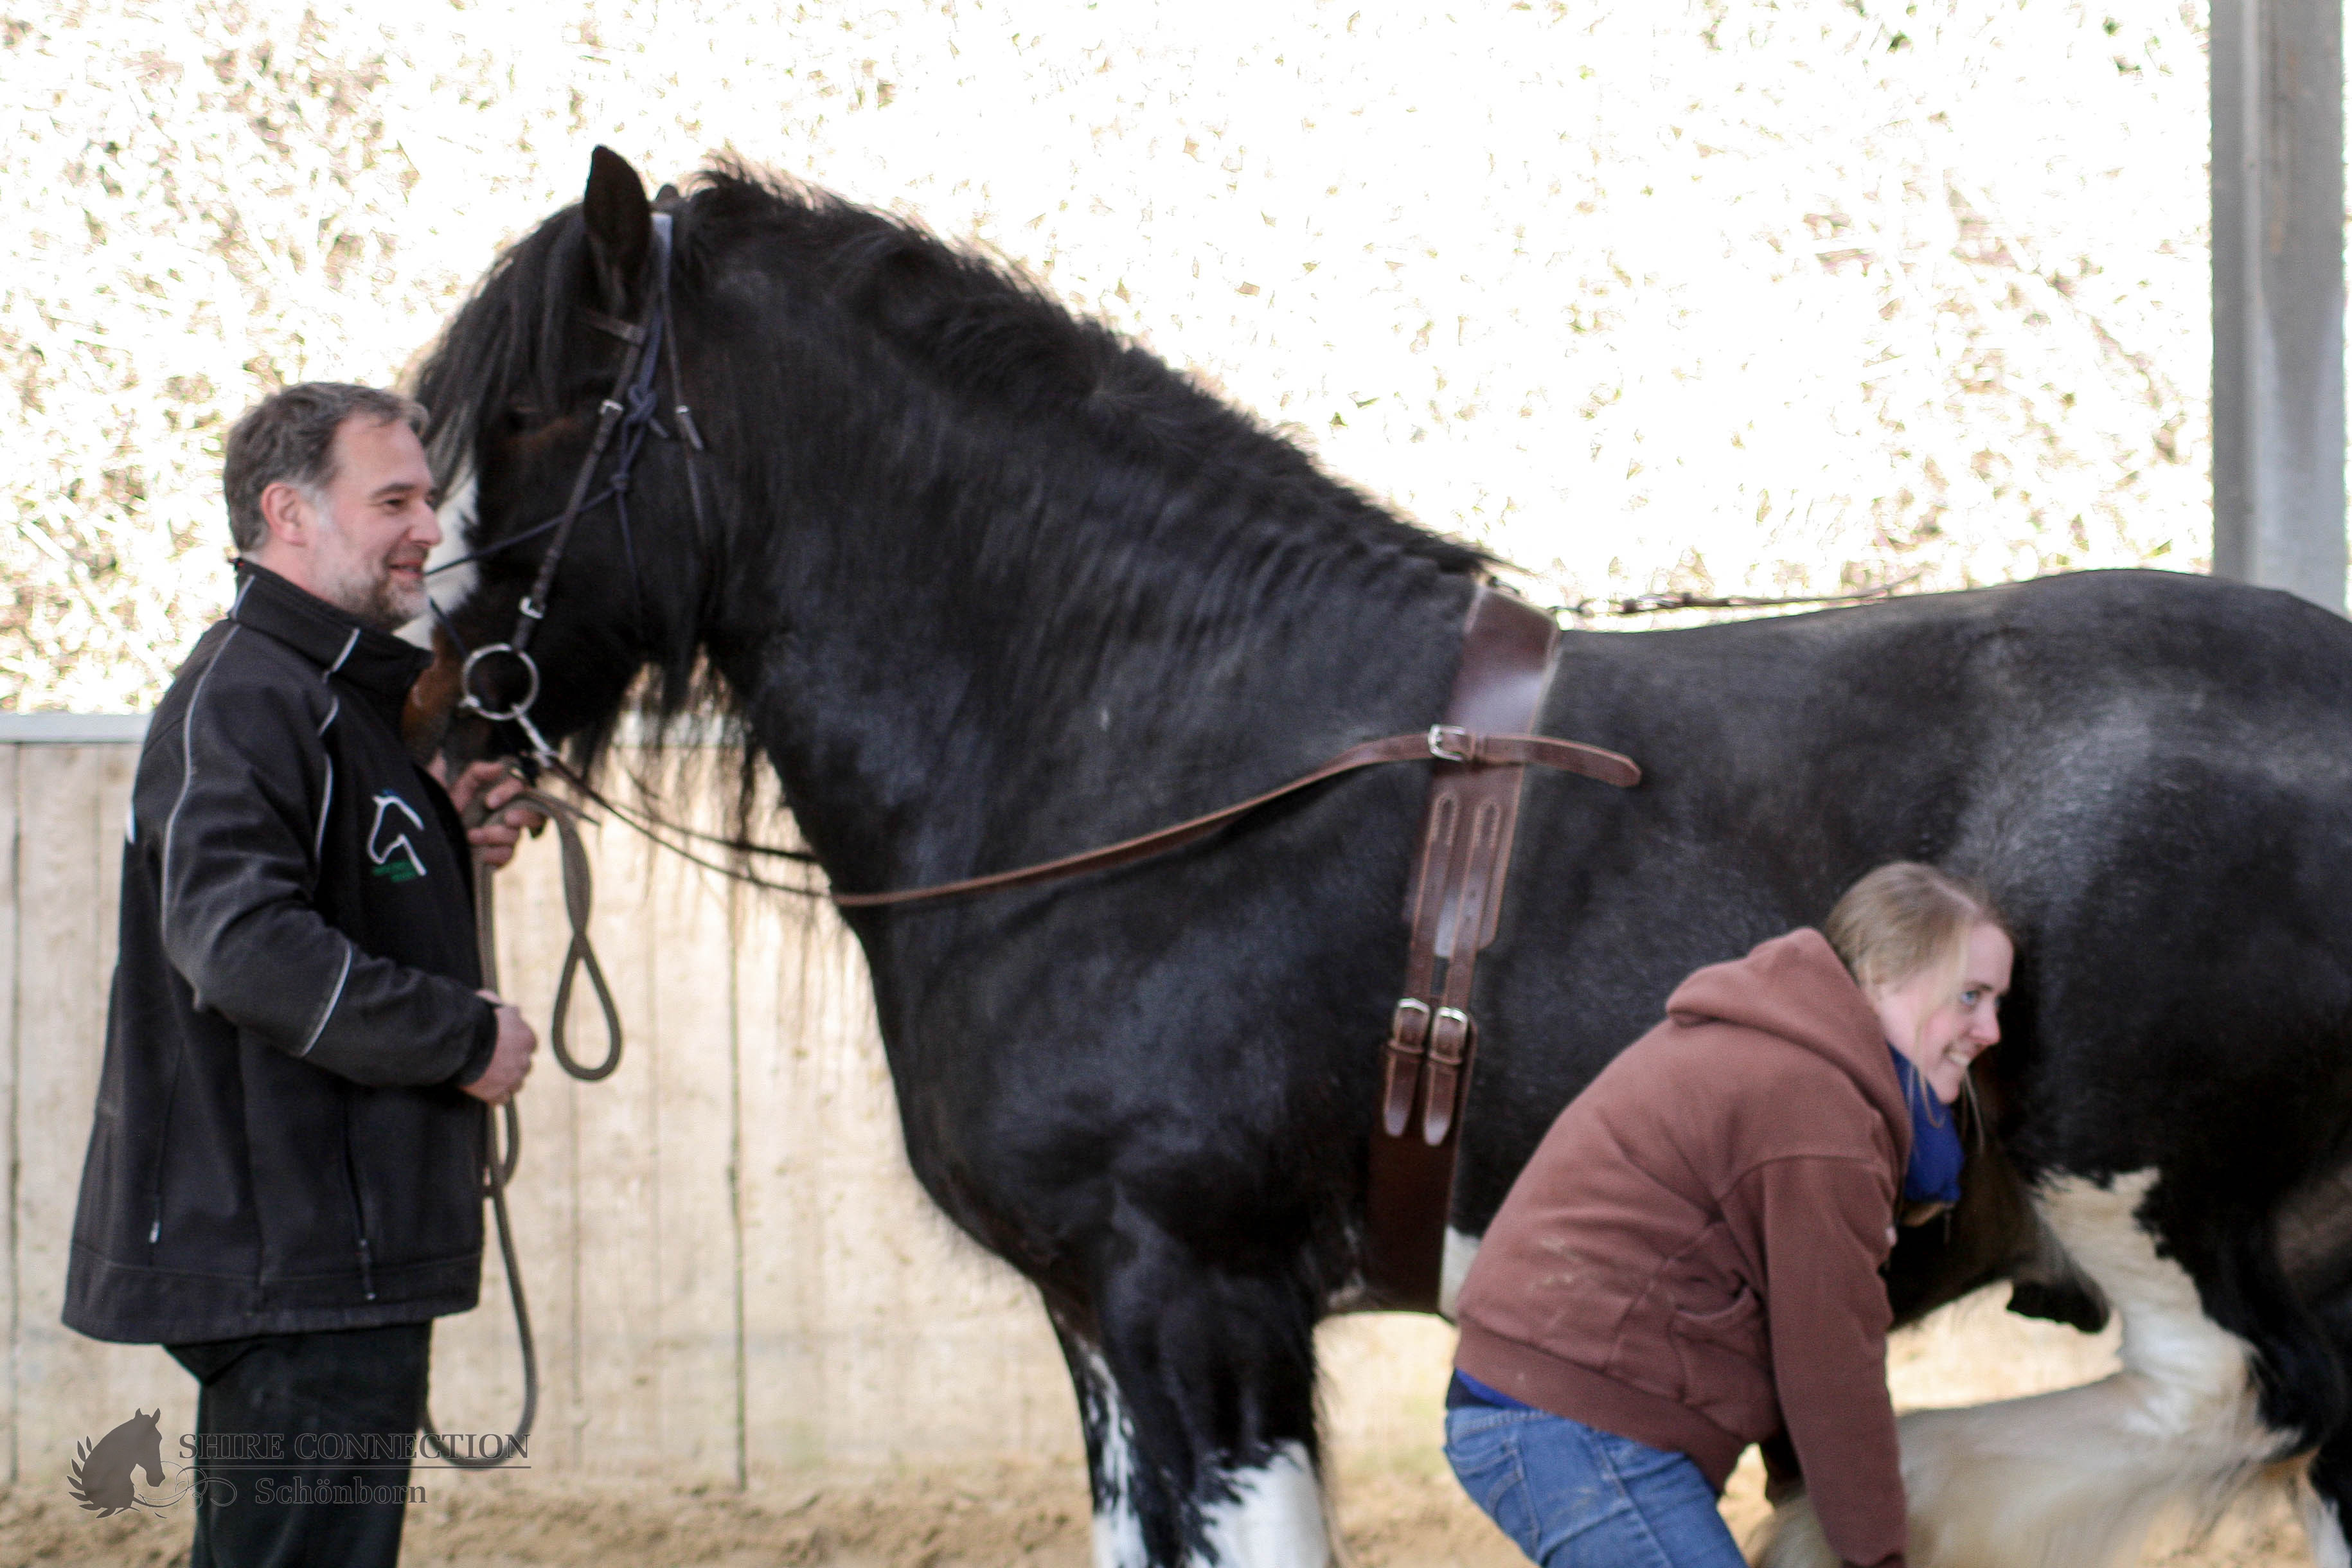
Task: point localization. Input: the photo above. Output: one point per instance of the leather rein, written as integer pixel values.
(1480, 751)
(1440, 743)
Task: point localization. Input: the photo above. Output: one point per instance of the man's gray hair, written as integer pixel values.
(288, 438)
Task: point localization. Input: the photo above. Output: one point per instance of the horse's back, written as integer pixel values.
(2151, 770)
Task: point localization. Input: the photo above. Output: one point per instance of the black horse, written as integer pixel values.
(987, 584)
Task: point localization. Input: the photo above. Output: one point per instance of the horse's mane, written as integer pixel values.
(991, 336)
(982, 343)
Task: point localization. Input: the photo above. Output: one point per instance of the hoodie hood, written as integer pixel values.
(1797, 988)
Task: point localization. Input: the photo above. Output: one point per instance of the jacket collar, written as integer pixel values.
(376, 662)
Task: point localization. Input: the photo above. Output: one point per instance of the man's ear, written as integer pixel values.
(620, 226)
(288, 513)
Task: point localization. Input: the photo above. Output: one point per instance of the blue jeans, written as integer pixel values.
(1576, 1498)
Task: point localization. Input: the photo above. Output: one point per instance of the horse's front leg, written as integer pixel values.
(1196, 1386)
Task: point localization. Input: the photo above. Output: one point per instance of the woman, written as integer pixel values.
(1690, 1262)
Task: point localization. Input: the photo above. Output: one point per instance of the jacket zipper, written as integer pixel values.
(359, 1208)
(155, 1188)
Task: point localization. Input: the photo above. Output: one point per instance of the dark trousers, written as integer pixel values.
(267, 1498)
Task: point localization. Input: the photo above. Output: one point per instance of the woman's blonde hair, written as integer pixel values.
(1905, 917)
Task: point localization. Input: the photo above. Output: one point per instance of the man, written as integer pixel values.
(282, 1183)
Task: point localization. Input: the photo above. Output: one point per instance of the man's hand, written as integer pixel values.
(510, 1058)
(488, 786)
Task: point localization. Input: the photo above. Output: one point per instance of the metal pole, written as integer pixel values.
(2278, 295)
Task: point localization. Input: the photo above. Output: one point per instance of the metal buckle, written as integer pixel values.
(472, 699)
(1444, 736)
(541, 752)
(530, 607)
(1455, 1052)
(1410, 1036)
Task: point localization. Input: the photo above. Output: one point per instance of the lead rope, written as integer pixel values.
(499, 1165)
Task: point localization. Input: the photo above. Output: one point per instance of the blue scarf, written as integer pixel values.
(1934, 1173)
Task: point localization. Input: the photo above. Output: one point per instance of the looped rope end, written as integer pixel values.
(580, 955)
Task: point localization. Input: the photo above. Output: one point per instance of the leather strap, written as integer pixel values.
(1482, 751)
(1443, 743)
(1454, 906)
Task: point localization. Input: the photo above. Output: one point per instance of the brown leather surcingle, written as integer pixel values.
(1456, 899)
(1481, 751)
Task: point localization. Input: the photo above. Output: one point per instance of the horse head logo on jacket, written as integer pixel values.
(388, 845)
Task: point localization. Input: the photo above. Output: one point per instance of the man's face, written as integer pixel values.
(372, 525)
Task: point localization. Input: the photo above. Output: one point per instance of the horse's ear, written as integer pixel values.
(620, 222)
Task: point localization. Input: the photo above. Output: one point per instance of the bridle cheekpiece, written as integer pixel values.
(628, 412)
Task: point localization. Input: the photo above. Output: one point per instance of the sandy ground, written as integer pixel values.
(1395, 1503)
(1028, 1516)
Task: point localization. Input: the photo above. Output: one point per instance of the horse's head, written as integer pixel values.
(875, 400)
(147, 1442)
(555, 390)
(933, 498)
(136, 1443)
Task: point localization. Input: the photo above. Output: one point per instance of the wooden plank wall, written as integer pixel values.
(731, 1274)
(66, 806)
(733, 1277)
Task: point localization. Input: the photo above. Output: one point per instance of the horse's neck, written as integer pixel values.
(928, 729)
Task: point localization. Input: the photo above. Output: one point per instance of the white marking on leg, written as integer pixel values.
(1275, 1519)
(1460, 1248)
(2324, 1526)
(1118, 1528)
(2073, 1480)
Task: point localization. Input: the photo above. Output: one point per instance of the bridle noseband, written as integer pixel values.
(628, 412)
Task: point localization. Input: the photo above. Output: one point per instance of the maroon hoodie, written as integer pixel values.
(1691, 1260)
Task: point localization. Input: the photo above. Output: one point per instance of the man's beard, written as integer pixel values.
(376, 599)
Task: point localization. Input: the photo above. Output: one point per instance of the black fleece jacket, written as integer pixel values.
(281, 1144)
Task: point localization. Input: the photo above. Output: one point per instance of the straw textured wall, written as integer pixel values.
(1758, 295)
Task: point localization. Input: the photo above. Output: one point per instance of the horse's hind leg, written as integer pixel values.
(1197, 1389)
(2073, 1479)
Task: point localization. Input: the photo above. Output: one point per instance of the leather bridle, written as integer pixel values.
(629, 412)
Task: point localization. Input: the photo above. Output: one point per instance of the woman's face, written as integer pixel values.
(1940, 1028)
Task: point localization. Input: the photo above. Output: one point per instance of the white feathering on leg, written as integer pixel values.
(1275, 1519)
(2073, 1480)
